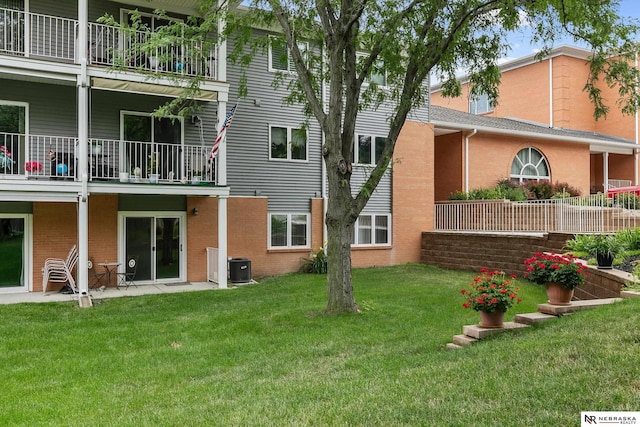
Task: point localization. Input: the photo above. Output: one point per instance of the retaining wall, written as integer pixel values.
(473, 251)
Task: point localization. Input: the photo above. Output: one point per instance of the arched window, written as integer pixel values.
(528, 165)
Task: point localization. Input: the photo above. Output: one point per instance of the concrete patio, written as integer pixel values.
(112, 292)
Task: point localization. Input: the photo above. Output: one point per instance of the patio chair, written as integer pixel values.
(95, 277)
(127, 278)
(60, 270)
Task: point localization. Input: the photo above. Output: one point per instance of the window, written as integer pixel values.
(148, 21)
(480, 104)
(372, 230)
(288, 230)
(280, 58)
(151, 144)
(529, 164)
(287, 143)
(369, 149)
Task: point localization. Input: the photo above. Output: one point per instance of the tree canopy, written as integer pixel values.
(350, 41)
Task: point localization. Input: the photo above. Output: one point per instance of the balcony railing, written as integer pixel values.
(113, 46)
(50, 37)
(587, 214)
(54, 157)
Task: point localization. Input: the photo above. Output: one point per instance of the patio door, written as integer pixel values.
(158, 242)
(15, 242)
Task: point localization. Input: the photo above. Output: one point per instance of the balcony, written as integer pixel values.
(55, 158)
(53, 38)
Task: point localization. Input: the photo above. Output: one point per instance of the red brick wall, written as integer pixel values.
(55, 231)
(202, 232)
(449, 165)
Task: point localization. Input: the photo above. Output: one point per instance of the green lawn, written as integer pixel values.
(264, 355)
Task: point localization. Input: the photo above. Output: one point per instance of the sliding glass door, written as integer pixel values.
(157, 242)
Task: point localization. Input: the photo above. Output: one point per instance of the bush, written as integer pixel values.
(581, 243)
(627, 201)
(630, 238)
(458, 195)
(317, 264)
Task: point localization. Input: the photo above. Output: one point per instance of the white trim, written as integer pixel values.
(291, 69)
(522, 165)
(182, 243)
(289, 129)
(289, 245)
(373, 216)
(27, 254)
(356, 148)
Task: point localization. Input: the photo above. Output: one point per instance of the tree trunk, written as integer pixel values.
(340, 222)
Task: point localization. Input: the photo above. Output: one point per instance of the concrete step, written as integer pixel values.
(477, 332)
(463, 340)
(533, 318)
(629, 294)
(452, 346)
(559, 310)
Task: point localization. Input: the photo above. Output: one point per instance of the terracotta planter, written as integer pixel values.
(558, 295)
(491, 320)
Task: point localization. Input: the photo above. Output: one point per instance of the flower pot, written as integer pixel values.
(154, 178)
(605, 261)
(124, 176)
(195, 180)
(558, 295)
(491, 320)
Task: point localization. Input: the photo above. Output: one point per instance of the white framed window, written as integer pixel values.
(280, 58)
(288, 143)
(149, 21)
(368, 148)
(480, 104)
(378, 74)
(289, 230)
(372, 230)
(529, 165)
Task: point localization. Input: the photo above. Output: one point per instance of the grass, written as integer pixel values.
(264, 355)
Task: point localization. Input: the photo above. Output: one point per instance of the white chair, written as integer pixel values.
(58, 270)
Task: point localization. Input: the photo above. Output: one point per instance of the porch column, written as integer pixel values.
(605, 170)
(222, 242)
(635, 167)
(82, 151)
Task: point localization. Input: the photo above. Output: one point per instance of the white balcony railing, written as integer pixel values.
(113, 46)
(23, 156)
(32, 34)
(40, 35)
(587, 214)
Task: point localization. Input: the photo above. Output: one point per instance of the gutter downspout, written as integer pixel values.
(550, 92)
(466, 159)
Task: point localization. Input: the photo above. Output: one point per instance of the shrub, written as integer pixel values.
(540, 190)
(581, 243)
(317, 264)
(627, 201)
(630, 238)
(458, 195)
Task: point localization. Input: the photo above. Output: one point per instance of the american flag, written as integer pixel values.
(225, 125)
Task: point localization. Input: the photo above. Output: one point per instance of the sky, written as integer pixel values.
(520, 47)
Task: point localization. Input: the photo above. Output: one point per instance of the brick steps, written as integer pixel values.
(473, 333)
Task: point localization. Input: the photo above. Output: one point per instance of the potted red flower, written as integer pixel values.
(560, 273)
(491, 293)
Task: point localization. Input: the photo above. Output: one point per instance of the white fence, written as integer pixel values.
(588, 214)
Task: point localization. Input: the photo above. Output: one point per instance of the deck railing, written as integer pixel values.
(51, 37)
(114, 46)
(588, 214)
(23, 156)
